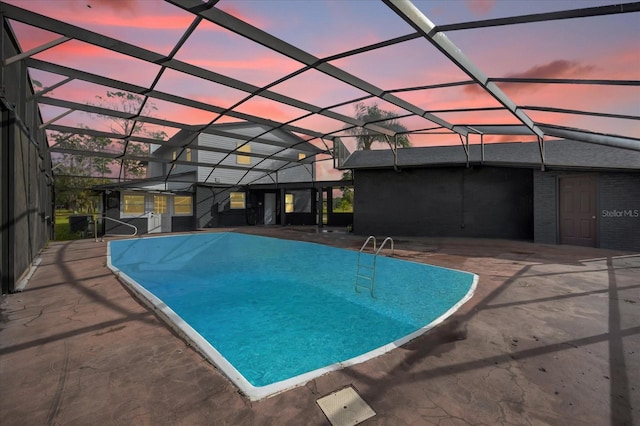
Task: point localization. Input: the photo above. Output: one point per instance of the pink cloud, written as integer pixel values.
(100, 61)
(480, 117)
(559, 68)
(256, 64)
(196, 88)
(276, 111)
(325, 170)
(621, 63)
(123, 6)
(554, 69)
(30, 37)
(233, 10)
(177, 22)
(111, 13)
(480, 7)
(449, 98)
(180, 113)
(508, 138)
(318, 89)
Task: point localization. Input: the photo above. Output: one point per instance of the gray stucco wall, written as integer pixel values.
(486, 202)
(618, 201)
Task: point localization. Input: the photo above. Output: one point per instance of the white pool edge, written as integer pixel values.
(255, 393)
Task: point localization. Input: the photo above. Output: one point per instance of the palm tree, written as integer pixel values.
(387, 119)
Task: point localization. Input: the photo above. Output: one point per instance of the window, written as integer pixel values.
(160, 204)
(298, 201)
(182, 205)
(288, 203)
(188, 154)
(343, 199)
(237, 200)
(301, 156)
(243, 159)
(133, 204)
(174, 155)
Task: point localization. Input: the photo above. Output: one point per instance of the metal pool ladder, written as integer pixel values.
(367, 272)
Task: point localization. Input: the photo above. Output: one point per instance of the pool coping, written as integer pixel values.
(211, 354)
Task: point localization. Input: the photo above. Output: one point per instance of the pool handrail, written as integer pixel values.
(371, 277)
(369, 238)
(95, 228)
(393, 251)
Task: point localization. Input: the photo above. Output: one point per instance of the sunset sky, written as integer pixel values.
(605, 47)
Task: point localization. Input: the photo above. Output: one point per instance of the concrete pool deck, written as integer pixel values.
(552, 336)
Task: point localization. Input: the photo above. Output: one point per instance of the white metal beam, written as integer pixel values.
(238, 26)
(35, 50)
(414, 17)
(137, 52)
(53, 120)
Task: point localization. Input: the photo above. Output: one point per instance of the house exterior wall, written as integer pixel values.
(157, 168)
(213, 208)
(206, 208)
(304, 172)
(212, 203)
(619, 211)
(291, 173)
(487, 202)
(545, 211)
(304, 208)
(618, 208)
(113, 209)
(182, 223)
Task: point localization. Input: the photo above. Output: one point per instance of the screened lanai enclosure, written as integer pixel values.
(510, 119)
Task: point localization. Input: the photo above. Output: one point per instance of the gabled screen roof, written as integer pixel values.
(453, 73)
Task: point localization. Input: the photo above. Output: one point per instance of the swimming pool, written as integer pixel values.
(273, 314)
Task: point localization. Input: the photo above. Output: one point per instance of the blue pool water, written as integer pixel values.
(276, 309)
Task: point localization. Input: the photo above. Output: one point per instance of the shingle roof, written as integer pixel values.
(558, 154)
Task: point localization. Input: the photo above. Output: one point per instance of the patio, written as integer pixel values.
(550, 337)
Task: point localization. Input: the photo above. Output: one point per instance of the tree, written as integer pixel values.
(76, 174)
(373, 114)
(129, 103)
(133, 105)
(345, 203)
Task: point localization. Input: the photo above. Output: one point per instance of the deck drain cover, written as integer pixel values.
(345, 407)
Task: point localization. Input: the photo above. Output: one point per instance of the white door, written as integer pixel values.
(154, 223)
(269, 209)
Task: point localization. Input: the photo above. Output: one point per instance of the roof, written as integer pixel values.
(558, 154)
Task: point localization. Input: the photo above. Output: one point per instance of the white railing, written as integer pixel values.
(393, 251)
(95, 227)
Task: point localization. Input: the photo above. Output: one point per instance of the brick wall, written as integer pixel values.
(618, 207)
(485, 202)
(619, 211)
(545, 207)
